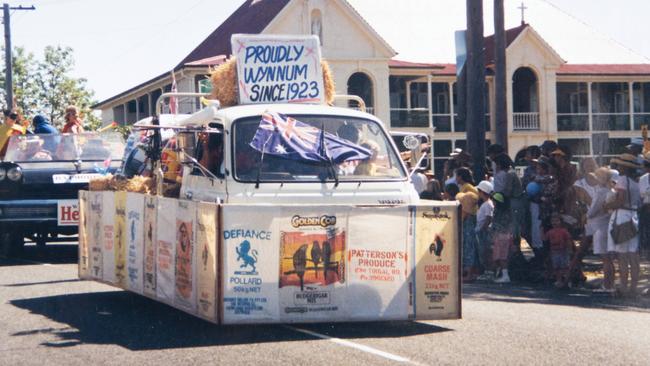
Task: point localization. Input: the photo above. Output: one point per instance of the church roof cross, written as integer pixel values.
(523, 8)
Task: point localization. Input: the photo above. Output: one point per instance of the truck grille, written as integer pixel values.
(27, 212)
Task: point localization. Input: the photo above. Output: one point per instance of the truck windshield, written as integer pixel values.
(375, 158)
(88, 146)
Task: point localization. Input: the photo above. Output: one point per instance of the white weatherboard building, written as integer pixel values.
(547, 97)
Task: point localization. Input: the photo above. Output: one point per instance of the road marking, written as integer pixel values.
(358, 346)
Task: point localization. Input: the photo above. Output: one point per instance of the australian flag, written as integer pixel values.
(289, 138)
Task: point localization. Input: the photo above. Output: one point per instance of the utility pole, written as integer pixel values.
(500, 102)
(9, 84)
(475, 92)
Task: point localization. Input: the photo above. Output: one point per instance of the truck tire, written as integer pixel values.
(12, 243)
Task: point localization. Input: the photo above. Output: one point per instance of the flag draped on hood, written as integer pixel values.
(286, 137)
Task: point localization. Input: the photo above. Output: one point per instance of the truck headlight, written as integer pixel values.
(3, 173)
(15, 173)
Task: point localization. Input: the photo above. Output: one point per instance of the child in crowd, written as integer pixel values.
(560, 244)
(483, 221)
(502, 236)
(451, 190)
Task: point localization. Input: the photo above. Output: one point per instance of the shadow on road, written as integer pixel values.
(138, 323)
(52, 253)
(540, 294)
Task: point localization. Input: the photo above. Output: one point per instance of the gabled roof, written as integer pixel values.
(251, 17)
(511, 35)
(450, 69)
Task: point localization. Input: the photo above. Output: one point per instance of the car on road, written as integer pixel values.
(40, 177)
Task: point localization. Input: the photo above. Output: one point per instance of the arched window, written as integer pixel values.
(317, 24)
(524, 91)
(360, 84)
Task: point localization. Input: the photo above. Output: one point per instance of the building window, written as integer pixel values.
(131, 109)
(143, 107)
(572, 107)
(118, 114)
(400, 113)
(641, 101)
(154, 99)
(524, 91)
(317, 24)
(440, 109)
(610, 106)
(459, 124)
(360, 84)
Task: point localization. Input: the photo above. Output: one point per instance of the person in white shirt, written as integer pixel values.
(419, 180)
(483, 221)
(624, 205)
(597, 223)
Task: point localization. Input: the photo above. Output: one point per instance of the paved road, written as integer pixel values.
(49, 317)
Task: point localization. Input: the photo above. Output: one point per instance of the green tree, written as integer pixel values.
(25, 88)
(57, 89)
(46, 86)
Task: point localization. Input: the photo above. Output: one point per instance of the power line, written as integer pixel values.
(595, 30)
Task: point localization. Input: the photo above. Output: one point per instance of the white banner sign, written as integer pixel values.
(84, 252)
(166, 239)
(150, 235)
(135, 240)
(206, 259)
(185, 279)
(95, 234)
(278, 69)
(378, 286)
(108, 239)
(313, 276)
(67, 212)
(250, 256)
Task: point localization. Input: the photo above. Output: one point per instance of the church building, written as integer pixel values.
(596, 109)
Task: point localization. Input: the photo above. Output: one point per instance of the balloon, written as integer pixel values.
(533, 189)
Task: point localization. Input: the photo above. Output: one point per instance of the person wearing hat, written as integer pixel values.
(566, 198)
(597, 223)
(547, 147)
(468, 198)
(624, 206)
(9, 128)
(483, 221)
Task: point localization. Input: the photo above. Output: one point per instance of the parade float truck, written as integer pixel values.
(289, 209)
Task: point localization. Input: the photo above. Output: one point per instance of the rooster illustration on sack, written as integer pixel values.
(436, 246)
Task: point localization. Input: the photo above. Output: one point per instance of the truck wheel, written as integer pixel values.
(11, 244)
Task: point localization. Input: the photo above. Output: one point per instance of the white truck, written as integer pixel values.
(291, 211)
(248, 176)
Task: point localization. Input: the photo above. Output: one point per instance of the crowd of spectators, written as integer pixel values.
(562, 208)
(15, 124)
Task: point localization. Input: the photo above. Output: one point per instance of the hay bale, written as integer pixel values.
(328, 83)
(100, 184)
(139, 184)
(118, 183)
(224, 83)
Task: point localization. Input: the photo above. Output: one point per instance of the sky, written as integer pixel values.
(119, 44)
